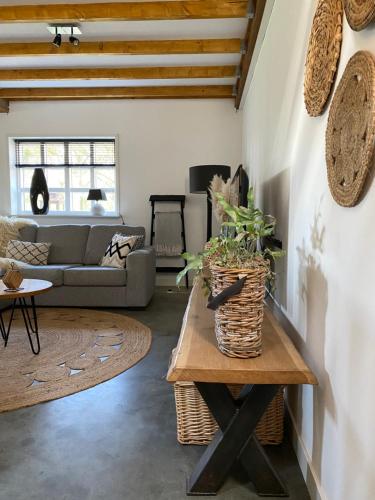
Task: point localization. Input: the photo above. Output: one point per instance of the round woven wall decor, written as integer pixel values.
(350, 131)
(359, 13)
(322, 55)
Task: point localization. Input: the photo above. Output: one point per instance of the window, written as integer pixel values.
(71, 167)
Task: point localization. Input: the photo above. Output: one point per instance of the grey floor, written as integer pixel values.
(117, 440)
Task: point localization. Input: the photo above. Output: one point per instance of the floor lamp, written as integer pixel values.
(200, 178)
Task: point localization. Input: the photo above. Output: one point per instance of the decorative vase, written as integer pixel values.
(39, 188)
(13, 278)
(238, 321)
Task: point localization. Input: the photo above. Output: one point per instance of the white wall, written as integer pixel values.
(158, 141)
(326, 282)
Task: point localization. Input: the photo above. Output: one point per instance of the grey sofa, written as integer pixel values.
(73, 267)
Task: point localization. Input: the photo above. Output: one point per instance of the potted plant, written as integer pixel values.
(235, 267)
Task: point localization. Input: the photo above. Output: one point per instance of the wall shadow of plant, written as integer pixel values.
(313, 290)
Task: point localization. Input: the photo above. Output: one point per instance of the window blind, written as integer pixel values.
(46, 153)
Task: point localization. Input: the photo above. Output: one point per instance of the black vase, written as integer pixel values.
(39, 188)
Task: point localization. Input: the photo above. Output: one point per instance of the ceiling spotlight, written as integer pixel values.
(61, 30)
(73, 39)
(57, 40)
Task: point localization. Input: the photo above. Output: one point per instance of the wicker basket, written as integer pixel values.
(238, 322)
(196, 425)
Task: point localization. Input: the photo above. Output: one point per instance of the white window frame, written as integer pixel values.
(17, 192)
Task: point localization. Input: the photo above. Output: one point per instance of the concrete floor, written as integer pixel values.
(118, 440)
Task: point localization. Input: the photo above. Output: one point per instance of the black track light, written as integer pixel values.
(59, 31)
(57, 40)
(73, 39)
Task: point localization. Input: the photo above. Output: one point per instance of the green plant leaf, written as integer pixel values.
(194, 264)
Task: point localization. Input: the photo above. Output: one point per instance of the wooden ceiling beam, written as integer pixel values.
(132, 47)
(82, 93)
(133, 73)
(124, 11)
(250, 41)
(4, 106)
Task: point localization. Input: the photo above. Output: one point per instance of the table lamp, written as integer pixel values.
(200, 178)
(97, 195)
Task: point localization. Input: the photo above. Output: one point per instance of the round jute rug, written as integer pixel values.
(80, 348)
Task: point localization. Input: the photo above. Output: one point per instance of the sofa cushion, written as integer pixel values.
(100, 237)
(68, 242)
(28, 233)
(118, 249)
(53, 273)
(94, 276)
(28, 252)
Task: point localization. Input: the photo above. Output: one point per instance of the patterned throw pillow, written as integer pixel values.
(139, 242)
(31, 253)
(117, 251)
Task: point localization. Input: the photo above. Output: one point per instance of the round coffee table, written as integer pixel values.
(28, 289)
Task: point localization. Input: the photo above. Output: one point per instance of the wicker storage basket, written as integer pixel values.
(196, 425)
(238, 322)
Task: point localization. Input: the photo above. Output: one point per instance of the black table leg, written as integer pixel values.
(253, 459)
(31, 323)
(235, 440)
(5, 331)
(2, 327)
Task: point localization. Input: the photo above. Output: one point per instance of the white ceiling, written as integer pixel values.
(135, 30)
(102, 61)
(132, 30)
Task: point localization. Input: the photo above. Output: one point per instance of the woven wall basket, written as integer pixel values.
(196, 425)
(359, 13)
(322, 55)
(350, 131)
(238, 322)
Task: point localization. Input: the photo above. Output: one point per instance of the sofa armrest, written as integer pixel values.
(141, 274)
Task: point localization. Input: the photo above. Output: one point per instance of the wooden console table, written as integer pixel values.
(197, 359)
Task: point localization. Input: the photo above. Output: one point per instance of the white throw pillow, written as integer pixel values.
(35, 254)
(117, 251)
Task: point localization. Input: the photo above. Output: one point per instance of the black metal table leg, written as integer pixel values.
(235, 440)
(2, 327)
(7, 330)
(29, 325)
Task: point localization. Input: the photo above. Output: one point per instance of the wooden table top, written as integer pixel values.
(198, 359)
(29, 288)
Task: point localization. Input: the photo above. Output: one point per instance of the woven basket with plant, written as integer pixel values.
(238, 321)
(239, 269)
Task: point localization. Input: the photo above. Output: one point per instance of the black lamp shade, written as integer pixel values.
(201, 175)
(96, 195)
